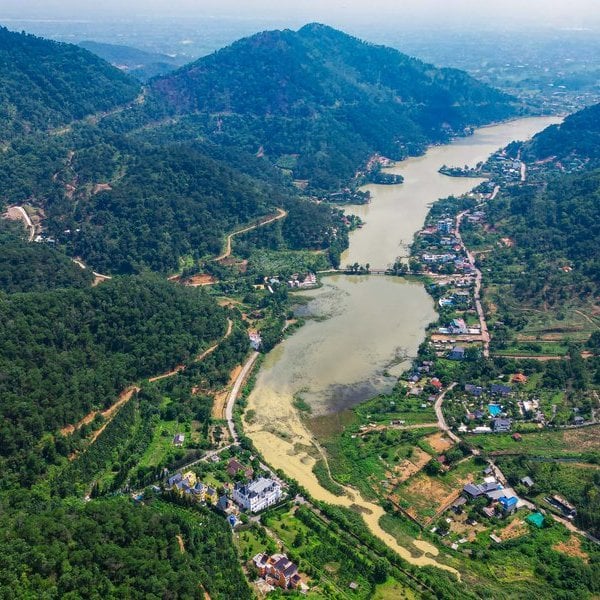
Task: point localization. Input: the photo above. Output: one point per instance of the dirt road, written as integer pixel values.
(17, 213)
(440, 415)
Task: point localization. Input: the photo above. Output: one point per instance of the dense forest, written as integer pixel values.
(578, 137)
(66, 352)
(557, 235)
(169, 203)
(26, 267)
(45, 84)
(326, 98)
(115, 549)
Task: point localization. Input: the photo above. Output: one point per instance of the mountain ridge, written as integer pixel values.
(327, 97)
(46, 84)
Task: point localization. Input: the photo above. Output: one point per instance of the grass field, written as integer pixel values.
(392, 590)
(162, 443)
(574, 443)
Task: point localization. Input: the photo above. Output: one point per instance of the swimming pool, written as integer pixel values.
(495, 409)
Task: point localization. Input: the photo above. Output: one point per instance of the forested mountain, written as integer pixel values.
(576, 139)
(66, 352)
(45, 84)
(139, 63)
(328, 99)
(112, 549)
(168, 204)
(26, 267)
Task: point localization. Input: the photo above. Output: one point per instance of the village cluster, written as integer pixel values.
(493, 499)
(296, 281)
(248, 495)
(251, 496)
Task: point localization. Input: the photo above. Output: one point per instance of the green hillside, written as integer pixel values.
(45, 84)
(576, 140)
(328, 99)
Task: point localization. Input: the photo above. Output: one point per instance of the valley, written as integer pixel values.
(262, 392)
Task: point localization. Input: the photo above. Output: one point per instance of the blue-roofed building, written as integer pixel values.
(500, 390)
(474, 390)
(174, 479)
(501, 425)
(473, 490)
(509, 505)
(457, 353)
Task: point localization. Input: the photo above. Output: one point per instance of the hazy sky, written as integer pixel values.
(560, 13)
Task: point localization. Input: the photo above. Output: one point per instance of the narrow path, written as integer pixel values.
(280, 215)
(110, 413)
(235, 390)
(107, 413)
(99, 276)
(198, 358)
(440, 415)
(587, 318)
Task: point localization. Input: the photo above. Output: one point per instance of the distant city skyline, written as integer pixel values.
(417, 13)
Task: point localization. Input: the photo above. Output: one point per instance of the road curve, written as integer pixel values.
(280, 215)
(18, 212)
(440, 415)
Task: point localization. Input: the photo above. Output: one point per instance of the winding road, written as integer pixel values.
(440, 415)
(280, 215)
(18, 213)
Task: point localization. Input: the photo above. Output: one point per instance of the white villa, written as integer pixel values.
(257, 495)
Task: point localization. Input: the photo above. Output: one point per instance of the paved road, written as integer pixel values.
(233, 394)
(485, 335)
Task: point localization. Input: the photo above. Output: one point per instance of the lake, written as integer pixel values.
(368, 327)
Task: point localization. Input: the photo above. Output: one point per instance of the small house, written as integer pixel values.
(472, 490)
(178, 440)
(501, 425)
(500, 390)
(457, 353)
(234, 467)
(527, 482)
(474, 390)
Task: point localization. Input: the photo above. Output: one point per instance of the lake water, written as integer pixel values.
(372, 325)
(396, 212)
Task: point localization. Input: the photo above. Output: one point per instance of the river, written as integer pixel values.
(368, 326)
